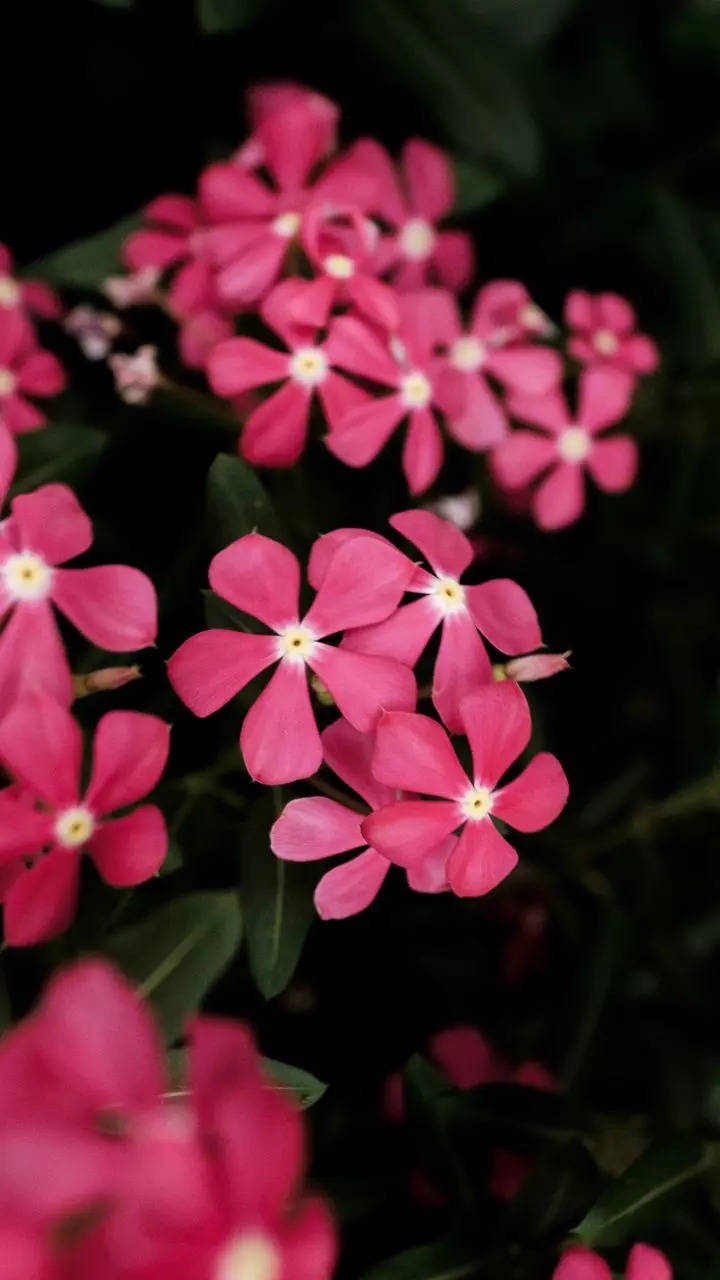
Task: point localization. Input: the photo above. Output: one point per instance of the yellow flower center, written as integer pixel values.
(74, 827)
(339, 266)
(7, 382)
(415, 390)
(9, 292)
(26, 576)
(477, 803)
(449, 595)
(605, 341)
(467, 354)
(286, 225)
(574, 444)
(249, 1257)
(296, 642)
(417, 239)
(308, 366)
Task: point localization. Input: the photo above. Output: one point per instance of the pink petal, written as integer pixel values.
(497, 724)
(580, 310)
(646, 1263)
(199, 333)
(228, 192)
(8, 460)
(388, 198)
(313, 828)
(461, 665)
(41, 299)
(41, 747)
(613, 463)
(349, 754)
(172, 210)
(640, 353)
(351, 887)
(430, 319)
(276, 311)
(532, 371)
(549, 411)
(253, 273)
(453, 259)
(279, 738)
(465, 1056)
(274, 435)
(20, 415)
(339, 397)
(430, 875)
(130, 850)
(32, 656)
(443, 545)
(354, 346)
(17, 337)
(259, 576)
(604, 397)
(113, 605)
(408, 830)
(51, 522)
(429, 178)
(150, 248)
(209, 668)
(241, 363)
(312, 302)
(364, 583)
(480, 861)
(293, 140)
(263, 1121)
(192, 289)
(41, 903)
(560, 498)
(366, 430)
(414, 753)
(520, 458)
(615, 313)
(535, 798)
(581, 1264)
(41, 374)
(482, 422)
(423, 451)
(130, 751)
(504, 613)
(374, 300)
(362, 685)
(402, 636)
(23, 829)
(223, 244)
(323, 549)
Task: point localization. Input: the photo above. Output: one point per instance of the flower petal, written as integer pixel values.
(315, 827)
(453, 259)
(535, 798)
(581, 1264)
(239, 364)
(351, 887)
(374, 300)
(349, 754)
(405, 832)
(604, 397)
(549, 411)
(23, 829)
(249, 276)
(113, 605)
(274, 434)
(32, 656)
(520, 458)
(430, 875)
(41, 747)
(130, 751)
(422, 454)
(362, 685)
(461, 665)
(323, 549)
(363, 584)
(482, 422)
(402, 636)
(365, 430)
(614, 313)
(130, 850)
(443, 545)
(532, 371)
(228, 192)
(465, 1056)
(640, 353)
(504, 613)
(209, 668)
(259, 576)
(560, 498)
(339, 397)
(497, 724)
(429, 178)
(20, 415)
(481, 859)
(613, 463)
(51, 522)
(279, 738)
(8, 459)
(41, 374)
(41, 902)
(646, 1263)
(414, 753)
(354, 346)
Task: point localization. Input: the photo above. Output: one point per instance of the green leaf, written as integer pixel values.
(115, 4)
(476, 186)
(560, 1185)
(177, 953)
(86, 263)
(306, 1087)
(511, 1109)
(277, 903)
(448, 1259)
(665, 1168)
(57, 452)
(237, 502)
(216, 16)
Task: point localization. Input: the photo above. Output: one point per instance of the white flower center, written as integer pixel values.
(417, 239)
(574, 444)
(296, 642)
(339, 266)
(415, 390)
(286, 225)
(74, 827)
(467, 354)
(308, 365)
(372, 234)
(9, 292)
(532, 317)
(249, 1257)
(477, 803)
(26, 576)
(398, 350)
(7, 382)
(449, 595)
(605, 341)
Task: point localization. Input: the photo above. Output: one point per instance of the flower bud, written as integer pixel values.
(136, 376)
(103, 680)
(534, 666)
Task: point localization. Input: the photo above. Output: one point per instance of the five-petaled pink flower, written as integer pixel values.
(29, 295)
(274, 433)
(113, 605)
(569, 446)
(317, 827)
(643, 1263)
(604, 333)
(52, 821)
(499, 610)
(276, 95)
(417, 252)
(339, 243)
(414, 753)
(279, 738)
(25, 370)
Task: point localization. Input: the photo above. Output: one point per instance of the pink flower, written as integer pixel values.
(339, 243)
(54, 821)
(274, 433)
(485, 348)
(132, 290)
(279, 738)
(499, 610)
(25, 370)
(569, 446)
(414, 753)
(603, 333)
(94, 331)
(417, 252)
(644, 1263)
(316, 827)
(137, 375)
(28, 295)
(276, 95)
(114, 606)
(510, 311)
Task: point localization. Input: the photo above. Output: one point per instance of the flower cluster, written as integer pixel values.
(106, 1169)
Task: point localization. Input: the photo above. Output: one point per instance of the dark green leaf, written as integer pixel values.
(306, 1087)
(448, 1259)
(177, 953)
(115, 4)
(228, 15)
(58, 452)
(237, 503)
(277, 903)
(510, 1109)
(643, 1190)
(86, 263)
(560, 1185)
(475, 187)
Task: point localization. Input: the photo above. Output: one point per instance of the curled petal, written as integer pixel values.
(535, 798)
(351, 887)
(315, 827)
(279, 738)
(211, 667)
(481, 859)
(259, 576)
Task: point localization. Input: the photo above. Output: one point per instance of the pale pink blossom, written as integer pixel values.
(134, 289)
(137, 375)
(95, 331)
(533, 666)
(604, 332)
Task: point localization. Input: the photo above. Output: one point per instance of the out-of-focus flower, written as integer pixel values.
(29, 295)
(461, 509)
(643, 1263)
(339, 244)
(26, 370)
(604, 333)
(137, 375)
(94, 331)
(134, 289)
(276, 95)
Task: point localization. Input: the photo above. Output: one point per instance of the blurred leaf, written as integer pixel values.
(277, 900)
(306, 1087)
(86, 263)
(595, 975)
(228, 15)
(115, 4)
(475, 187)
(448, 1259)
(237, 502)
(57, 452)
(560, 1185)
(521, 22)
(512, 1109)
(666, 1167)
(685, 248)
(177, 953)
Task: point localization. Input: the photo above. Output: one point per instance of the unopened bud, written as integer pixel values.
(103, 680)
(322, 693)
(534, 666)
